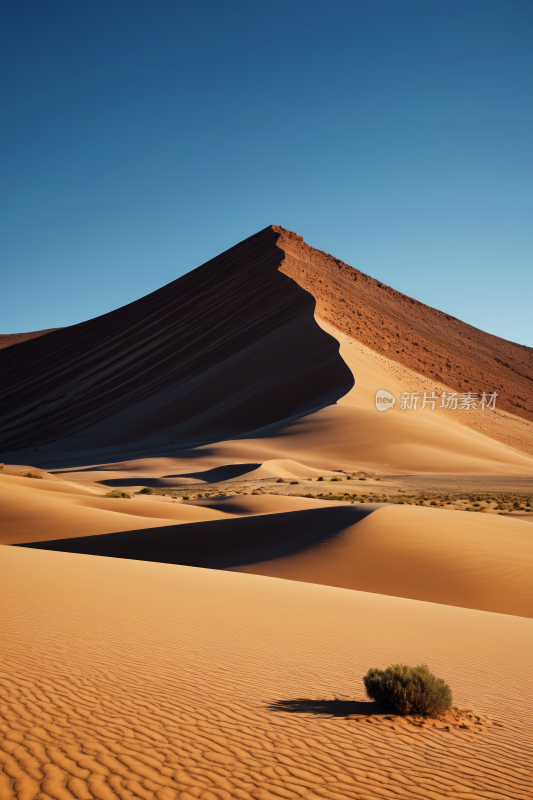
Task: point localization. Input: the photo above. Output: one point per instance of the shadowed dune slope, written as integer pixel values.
(417, 336)
(459, 559)
(226, 543)
(229, 347)
(157, 682)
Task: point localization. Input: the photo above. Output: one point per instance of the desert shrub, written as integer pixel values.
(408, 690)
(32, 475)
(147, 490)
(320, 479)
(118, 493)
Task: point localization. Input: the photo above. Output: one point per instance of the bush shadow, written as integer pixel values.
(332, 708)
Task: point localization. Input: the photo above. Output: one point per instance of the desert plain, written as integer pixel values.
(210, 533)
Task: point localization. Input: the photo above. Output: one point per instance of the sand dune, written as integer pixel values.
(37, 485)
(32, 514)
(153, 375)
(220, 544)
(458, 559)
(414, 335)
(244, 505)
(469, 560)
(231, 346)
(164, 683)
(350, 438)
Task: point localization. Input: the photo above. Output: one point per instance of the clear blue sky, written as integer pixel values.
(140, 139)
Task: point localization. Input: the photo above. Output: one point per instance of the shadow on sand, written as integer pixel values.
(333, 708)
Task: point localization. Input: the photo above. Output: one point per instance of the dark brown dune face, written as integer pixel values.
(230, 347)
(9, 339)
(417, 336)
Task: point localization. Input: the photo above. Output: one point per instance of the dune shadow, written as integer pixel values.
(214, 475)
(332, 708)
(217, 474)
(124, 483)
(222, 543)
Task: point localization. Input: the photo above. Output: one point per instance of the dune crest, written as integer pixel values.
(229, 347)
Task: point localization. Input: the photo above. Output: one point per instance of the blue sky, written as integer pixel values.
(140, 139)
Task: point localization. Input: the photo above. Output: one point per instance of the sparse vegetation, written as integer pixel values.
(147, 490)
(118, 493)
(32, 475)
(408, 690)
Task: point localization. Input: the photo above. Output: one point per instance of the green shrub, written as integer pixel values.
(118, 493)
(408, 690)
(147, 490)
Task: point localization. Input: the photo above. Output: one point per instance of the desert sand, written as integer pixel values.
(122, 679)
(206, 642)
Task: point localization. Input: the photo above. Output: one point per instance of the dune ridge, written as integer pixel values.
(420, 337)
(9, 339)
(229, 347)
(469, 561)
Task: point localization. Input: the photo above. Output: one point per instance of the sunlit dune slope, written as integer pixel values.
(346, 437)
(417, 336)
(454, 558)
(458, 559)
(125, 680)
(229, 347)
(34, 510)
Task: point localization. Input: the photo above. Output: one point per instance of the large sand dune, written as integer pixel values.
(124, 680)
(229, 347)
(233, 346)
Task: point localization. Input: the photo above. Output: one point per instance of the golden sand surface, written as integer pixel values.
(122, 679)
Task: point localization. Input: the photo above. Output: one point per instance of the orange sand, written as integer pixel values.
(122, 679)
